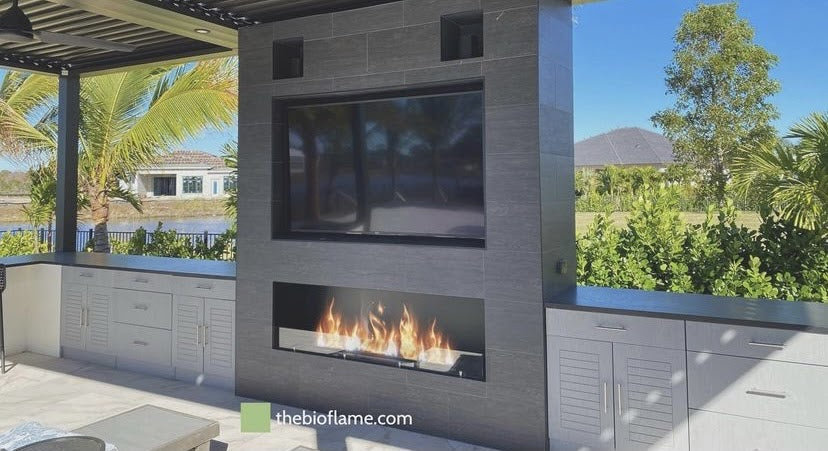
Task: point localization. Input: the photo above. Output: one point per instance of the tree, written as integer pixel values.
(792, 179)
(128, 120)
(28, 114)
(43, 194)
(230, 155)
(720, 78)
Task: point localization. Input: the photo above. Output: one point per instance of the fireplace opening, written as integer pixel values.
(437, 334)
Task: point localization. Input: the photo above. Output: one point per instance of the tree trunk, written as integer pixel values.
(100, 216)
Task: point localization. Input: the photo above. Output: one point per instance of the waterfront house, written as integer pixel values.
(184, 174)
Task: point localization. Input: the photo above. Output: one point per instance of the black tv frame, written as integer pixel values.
(280, 214)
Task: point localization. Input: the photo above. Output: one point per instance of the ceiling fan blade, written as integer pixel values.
(82, 41)
(18, 38)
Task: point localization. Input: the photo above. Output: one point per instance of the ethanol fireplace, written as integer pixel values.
(421, 332)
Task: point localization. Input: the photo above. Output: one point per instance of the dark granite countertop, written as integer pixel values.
(805, 316)
(140, 263)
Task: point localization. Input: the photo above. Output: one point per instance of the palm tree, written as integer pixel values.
(230, 155)
(791, 178)
(28, 109)
(128, 119)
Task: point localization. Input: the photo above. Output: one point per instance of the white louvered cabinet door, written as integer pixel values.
(651, 398)
(580, 396)
(99, 329)
(73, 307)
(220, 337)
(187, 319)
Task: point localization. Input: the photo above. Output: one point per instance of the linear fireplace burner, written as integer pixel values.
(437, 334)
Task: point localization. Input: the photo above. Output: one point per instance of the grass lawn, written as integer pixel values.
(748, 219)
(11, 211)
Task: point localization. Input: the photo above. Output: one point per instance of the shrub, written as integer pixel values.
(618, 188)
(168, 243)
(19, 243)
(658, 251)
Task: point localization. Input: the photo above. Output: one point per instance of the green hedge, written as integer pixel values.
(19, 243)
(167, 243)
(617, 188)
(658, 251)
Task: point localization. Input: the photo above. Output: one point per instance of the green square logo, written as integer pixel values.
(255, 417)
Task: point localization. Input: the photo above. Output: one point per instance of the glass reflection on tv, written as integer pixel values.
(399, 166)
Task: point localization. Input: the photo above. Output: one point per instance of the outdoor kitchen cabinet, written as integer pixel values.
(171, 326)
(204, 328)
(86, 318)
(86, 313)
(608, 390)
(756, 388)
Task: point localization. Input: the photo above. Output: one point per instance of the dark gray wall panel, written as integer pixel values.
(389, 15)
(424, 11)
(530, 218)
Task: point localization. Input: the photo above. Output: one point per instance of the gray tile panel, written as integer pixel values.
(393, 46)
(373, 18)
(335, 57)
(425, 11)
(404, 48)
(510, 33)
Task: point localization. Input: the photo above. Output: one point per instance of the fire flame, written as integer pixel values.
(404, 338)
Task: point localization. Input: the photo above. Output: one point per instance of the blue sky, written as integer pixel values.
(622, 47)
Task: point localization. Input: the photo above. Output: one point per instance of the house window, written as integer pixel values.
(163, 186)
(230, 183)
(193, 185)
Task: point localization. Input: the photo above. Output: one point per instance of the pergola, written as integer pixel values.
(158, 31)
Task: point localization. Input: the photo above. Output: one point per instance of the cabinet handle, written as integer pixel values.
(605, 397)
(139, 280)
(140, 343)
(767, 394)
(87, 316)
(87, 275)
(198, 334)
(204, 286)
(618, 389)
(143, 307)
(766, 345)
(206, 342)
(613, 328)
(83, 311)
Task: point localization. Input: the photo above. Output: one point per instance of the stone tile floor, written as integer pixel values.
(67, 394)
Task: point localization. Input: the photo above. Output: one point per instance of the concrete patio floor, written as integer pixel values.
(67, 394)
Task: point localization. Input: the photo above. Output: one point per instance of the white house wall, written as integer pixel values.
(143, 182)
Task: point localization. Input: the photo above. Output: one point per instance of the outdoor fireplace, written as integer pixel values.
(437, 334)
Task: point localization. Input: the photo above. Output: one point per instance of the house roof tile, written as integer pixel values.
(624, 146)
(193, 158)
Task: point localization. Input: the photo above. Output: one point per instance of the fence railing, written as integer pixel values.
(46, 236)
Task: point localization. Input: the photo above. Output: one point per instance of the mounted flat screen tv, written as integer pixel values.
(402, 165)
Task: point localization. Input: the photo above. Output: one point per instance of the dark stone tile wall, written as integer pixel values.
(527, 70)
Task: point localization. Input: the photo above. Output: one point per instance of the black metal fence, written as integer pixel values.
(45, 236)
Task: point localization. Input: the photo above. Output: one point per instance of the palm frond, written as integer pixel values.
(203, 97)
(118, 192)
(792, 178)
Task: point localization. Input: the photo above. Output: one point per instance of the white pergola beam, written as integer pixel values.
(146, 15)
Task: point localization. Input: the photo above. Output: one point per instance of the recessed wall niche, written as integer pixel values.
(288, 58)
(462, 35)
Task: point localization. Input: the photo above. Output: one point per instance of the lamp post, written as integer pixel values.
(2, 344)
